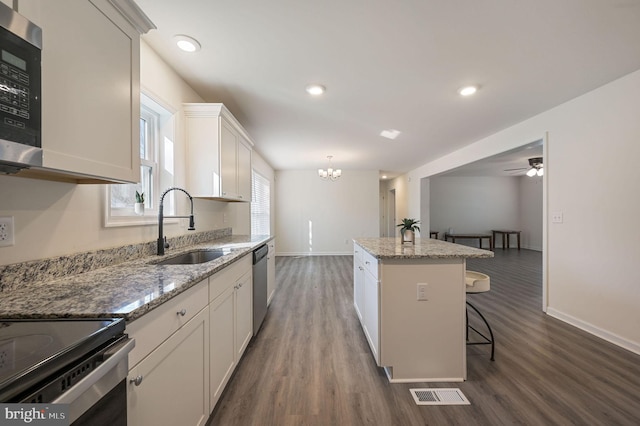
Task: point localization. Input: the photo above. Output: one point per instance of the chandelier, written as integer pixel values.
(330, 173)
(536, 167)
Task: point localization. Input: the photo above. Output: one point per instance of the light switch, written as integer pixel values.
(422, 291)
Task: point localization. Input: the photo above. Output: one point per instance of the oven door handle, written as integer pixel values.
(116, 362)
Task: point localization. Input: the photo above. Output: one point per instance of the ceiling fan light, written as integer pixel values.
(540, 171)
(532, 172)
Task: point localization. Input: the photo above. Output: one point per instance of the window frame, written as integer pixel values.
(267, 199)
(160, 126)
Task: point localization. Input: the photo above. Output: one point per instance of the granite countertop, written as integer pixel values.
(424, 248)
(126, 290)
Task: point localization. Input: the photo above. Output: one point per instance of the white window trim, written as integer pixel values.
(151, 215)
(254, 193)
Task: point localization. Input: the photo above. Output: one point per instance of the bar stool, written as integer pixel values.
(477, 282)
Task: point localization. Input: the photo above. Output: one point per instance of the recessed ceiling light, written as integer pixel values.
(186, 43)
(390, 134)
(468, 90)
(384, 176)
(315, 89)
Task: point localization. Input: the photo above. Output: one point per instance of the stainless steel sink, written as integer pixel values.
(194, 257)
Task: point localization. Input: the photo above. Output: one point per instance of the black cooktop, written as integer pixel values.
(32, 350)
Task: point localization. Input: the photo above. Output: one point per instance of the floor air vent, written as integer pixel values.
(439, 396)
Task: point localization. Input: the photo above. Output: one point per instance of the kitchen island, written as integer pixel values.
(410, 299)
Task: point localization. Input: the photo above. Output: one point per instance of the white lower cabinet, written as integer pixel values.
(231, 319)
(222, 354)
(171, 385)
(358, 282)
(366, 297)
(371, 317)
(187, 349)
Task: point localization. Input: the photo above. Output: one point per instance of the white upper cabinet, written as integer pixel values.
(218, 154)
(90, 88)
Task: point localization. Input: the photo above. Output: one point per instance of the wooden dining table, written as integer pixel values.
(478, 237)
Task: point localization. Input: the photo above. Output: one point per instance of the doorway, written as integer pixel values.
(493, 193)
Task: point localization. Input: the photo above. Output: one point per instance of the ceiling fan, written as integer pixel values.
(535, 167)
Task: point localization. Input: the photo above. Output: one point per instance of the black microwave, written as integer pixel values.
(20, 92)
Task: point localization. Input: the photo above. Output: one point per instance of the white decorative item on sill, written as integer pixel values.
(138, 207)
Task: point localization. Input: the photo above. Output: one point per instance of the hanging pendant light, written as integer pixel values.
(330, 173)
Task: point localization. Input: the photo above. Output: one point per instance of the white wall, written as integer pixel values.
(473, 205)
(322, 217)
(54, 218)
(591, 258)
(480, 204)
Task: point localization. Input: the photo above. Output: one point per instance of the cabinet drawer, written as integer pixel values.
(226, 277)
(153, 328)
(370, 264)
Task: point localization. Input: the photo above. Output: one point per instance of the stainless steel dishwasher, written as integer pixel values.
(259, 286)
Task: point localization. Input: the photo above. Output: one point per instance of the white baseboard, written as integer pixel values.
(596, 331)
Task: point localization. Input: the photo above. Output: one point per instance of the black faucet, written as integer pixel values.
(162, 240)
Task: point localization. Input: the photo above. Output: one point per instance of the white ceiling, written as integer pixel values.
(391, 65)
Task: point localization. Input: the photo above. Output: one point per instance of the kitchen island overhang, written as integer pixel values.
(410, 299)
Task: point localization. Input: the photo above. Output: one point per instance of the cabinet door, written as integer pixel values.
(244, 171)
(90, 88)
(202, 129)
(271, 271)
(244, 313)
(174, 386)
(371, 314)
(358, 288)
(228, 164)
(222, 350)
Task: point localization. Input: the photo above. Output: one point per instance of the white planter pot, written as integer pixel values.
(139, 209)
(408, 236)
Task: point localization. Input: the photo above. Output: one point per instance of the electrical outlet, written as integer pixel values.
(557, 217)
(422, 291)
(6, 231)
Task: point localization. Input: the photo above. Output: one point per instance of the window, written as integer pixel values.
(156, 170)
(260, 205)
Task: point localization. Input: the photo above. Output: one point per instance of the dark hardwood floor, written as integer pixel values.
(310, 363)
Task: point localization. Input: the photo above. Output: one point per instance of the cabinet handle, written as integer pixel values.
(137, 381)
(367, 262)
(182, 312)
(361, 268)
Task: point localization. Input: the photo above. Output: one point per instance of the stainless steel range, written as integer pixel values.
(80, 362)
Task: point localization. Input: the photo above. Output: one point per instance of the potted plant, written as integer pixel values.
(408, 229)
(138, 207)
